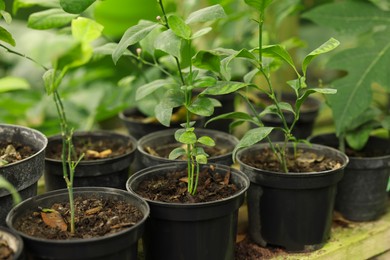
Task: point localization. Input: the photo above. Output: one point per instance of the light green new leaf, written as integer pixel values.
(5, 36)
(324, 48)
(48, 78)
(259, 5)
(151, 87)
(224, 87)
(29, 3)
(349, 16)
(48, 19)
(176, 153)
(279, 52)
(206, 140)
(169, 42)
(188, 137)
(354, 92)
(13, 83)
(207, 60)
(202, 106)
(252, 137)
(133, 35)
(201, 32)
(179, 27)
(7, 17)
(75, 6)
(86, 30)
(206, 14)
(201, 158)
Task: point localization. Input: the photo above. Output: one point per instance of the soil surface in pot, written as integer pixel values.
(6, 253)
(11, 152)
(302, 161)
(172, 187)
(94, 217)
(92, 149)
(164, 151)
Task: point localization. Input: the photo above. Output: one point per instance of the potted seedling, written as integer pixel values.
(22, 148)
(293, 183)
(187, 221)
(61, 224)
(358, 128)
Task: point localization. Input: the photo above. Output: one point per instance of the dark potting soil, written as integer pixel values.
(11, 152)
(92, 149)
(6, 253)
(302, 162)
(172, 187)
(94, 217)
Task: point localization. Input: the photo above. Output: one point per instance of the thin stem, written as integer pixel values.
(23, 56)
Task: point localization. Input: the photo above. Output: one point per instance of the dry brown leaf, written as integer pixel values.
(93, 210)
(54, 220)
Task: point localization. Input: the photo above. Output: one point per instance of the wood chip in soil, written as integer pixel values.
(95, 217)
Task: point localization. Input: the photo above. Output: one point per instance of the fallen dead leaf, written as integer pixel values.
(54, 220)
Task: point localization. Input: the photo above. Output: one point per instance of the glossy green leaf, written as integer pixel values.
(210, 13)
(75, 6)
(206, 140)
(48, 19)
(309, 91)
(13, 83)
(279, 52)
(207, 60)
(169, 42)
(86, 30)
(149, 88)
(176, 153)
(5, 36)
(29, 3)
(188, 137)
(224, 87)
(252, 137)
(204, 82)
(324, 48)
(202, 106)
(179, 27)
(272, 109)
(132, 36)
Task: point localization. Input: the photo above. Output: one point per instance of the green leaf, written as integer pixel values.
(207, 60)
(132, 36)
(29, 3)
(354, 92)
(163, 111)
(5, 36)
(13, 83)
(176, 153)
(359, 138)
(149, 88)
(206, 140)
(86, 30)
(279, 52)
(206, 14)
(188, 137)
(170, 43)
(233, 115)
(308, 92)
(252, 137)
(2, 5)
(201, 32)
(163, 114)
(272, 109)
(348, 16)
(73, 57)
(224, 87)
(202, 106)
(75, 6)
(324, 48)
(203, 82)
(7, 17)
(179, 27)
(201, 158)
(385, 122)
(259, 5)
(48, 19)
(48, 78)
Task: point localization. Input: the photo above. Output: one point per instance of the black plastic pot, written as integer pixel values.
(109, 172)
(121, 245)
(14, 241)
(304, 126)
(361, 194)
(137, 128)
(291, 210)
(191, 231)
(24, 174)
(165, 139)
